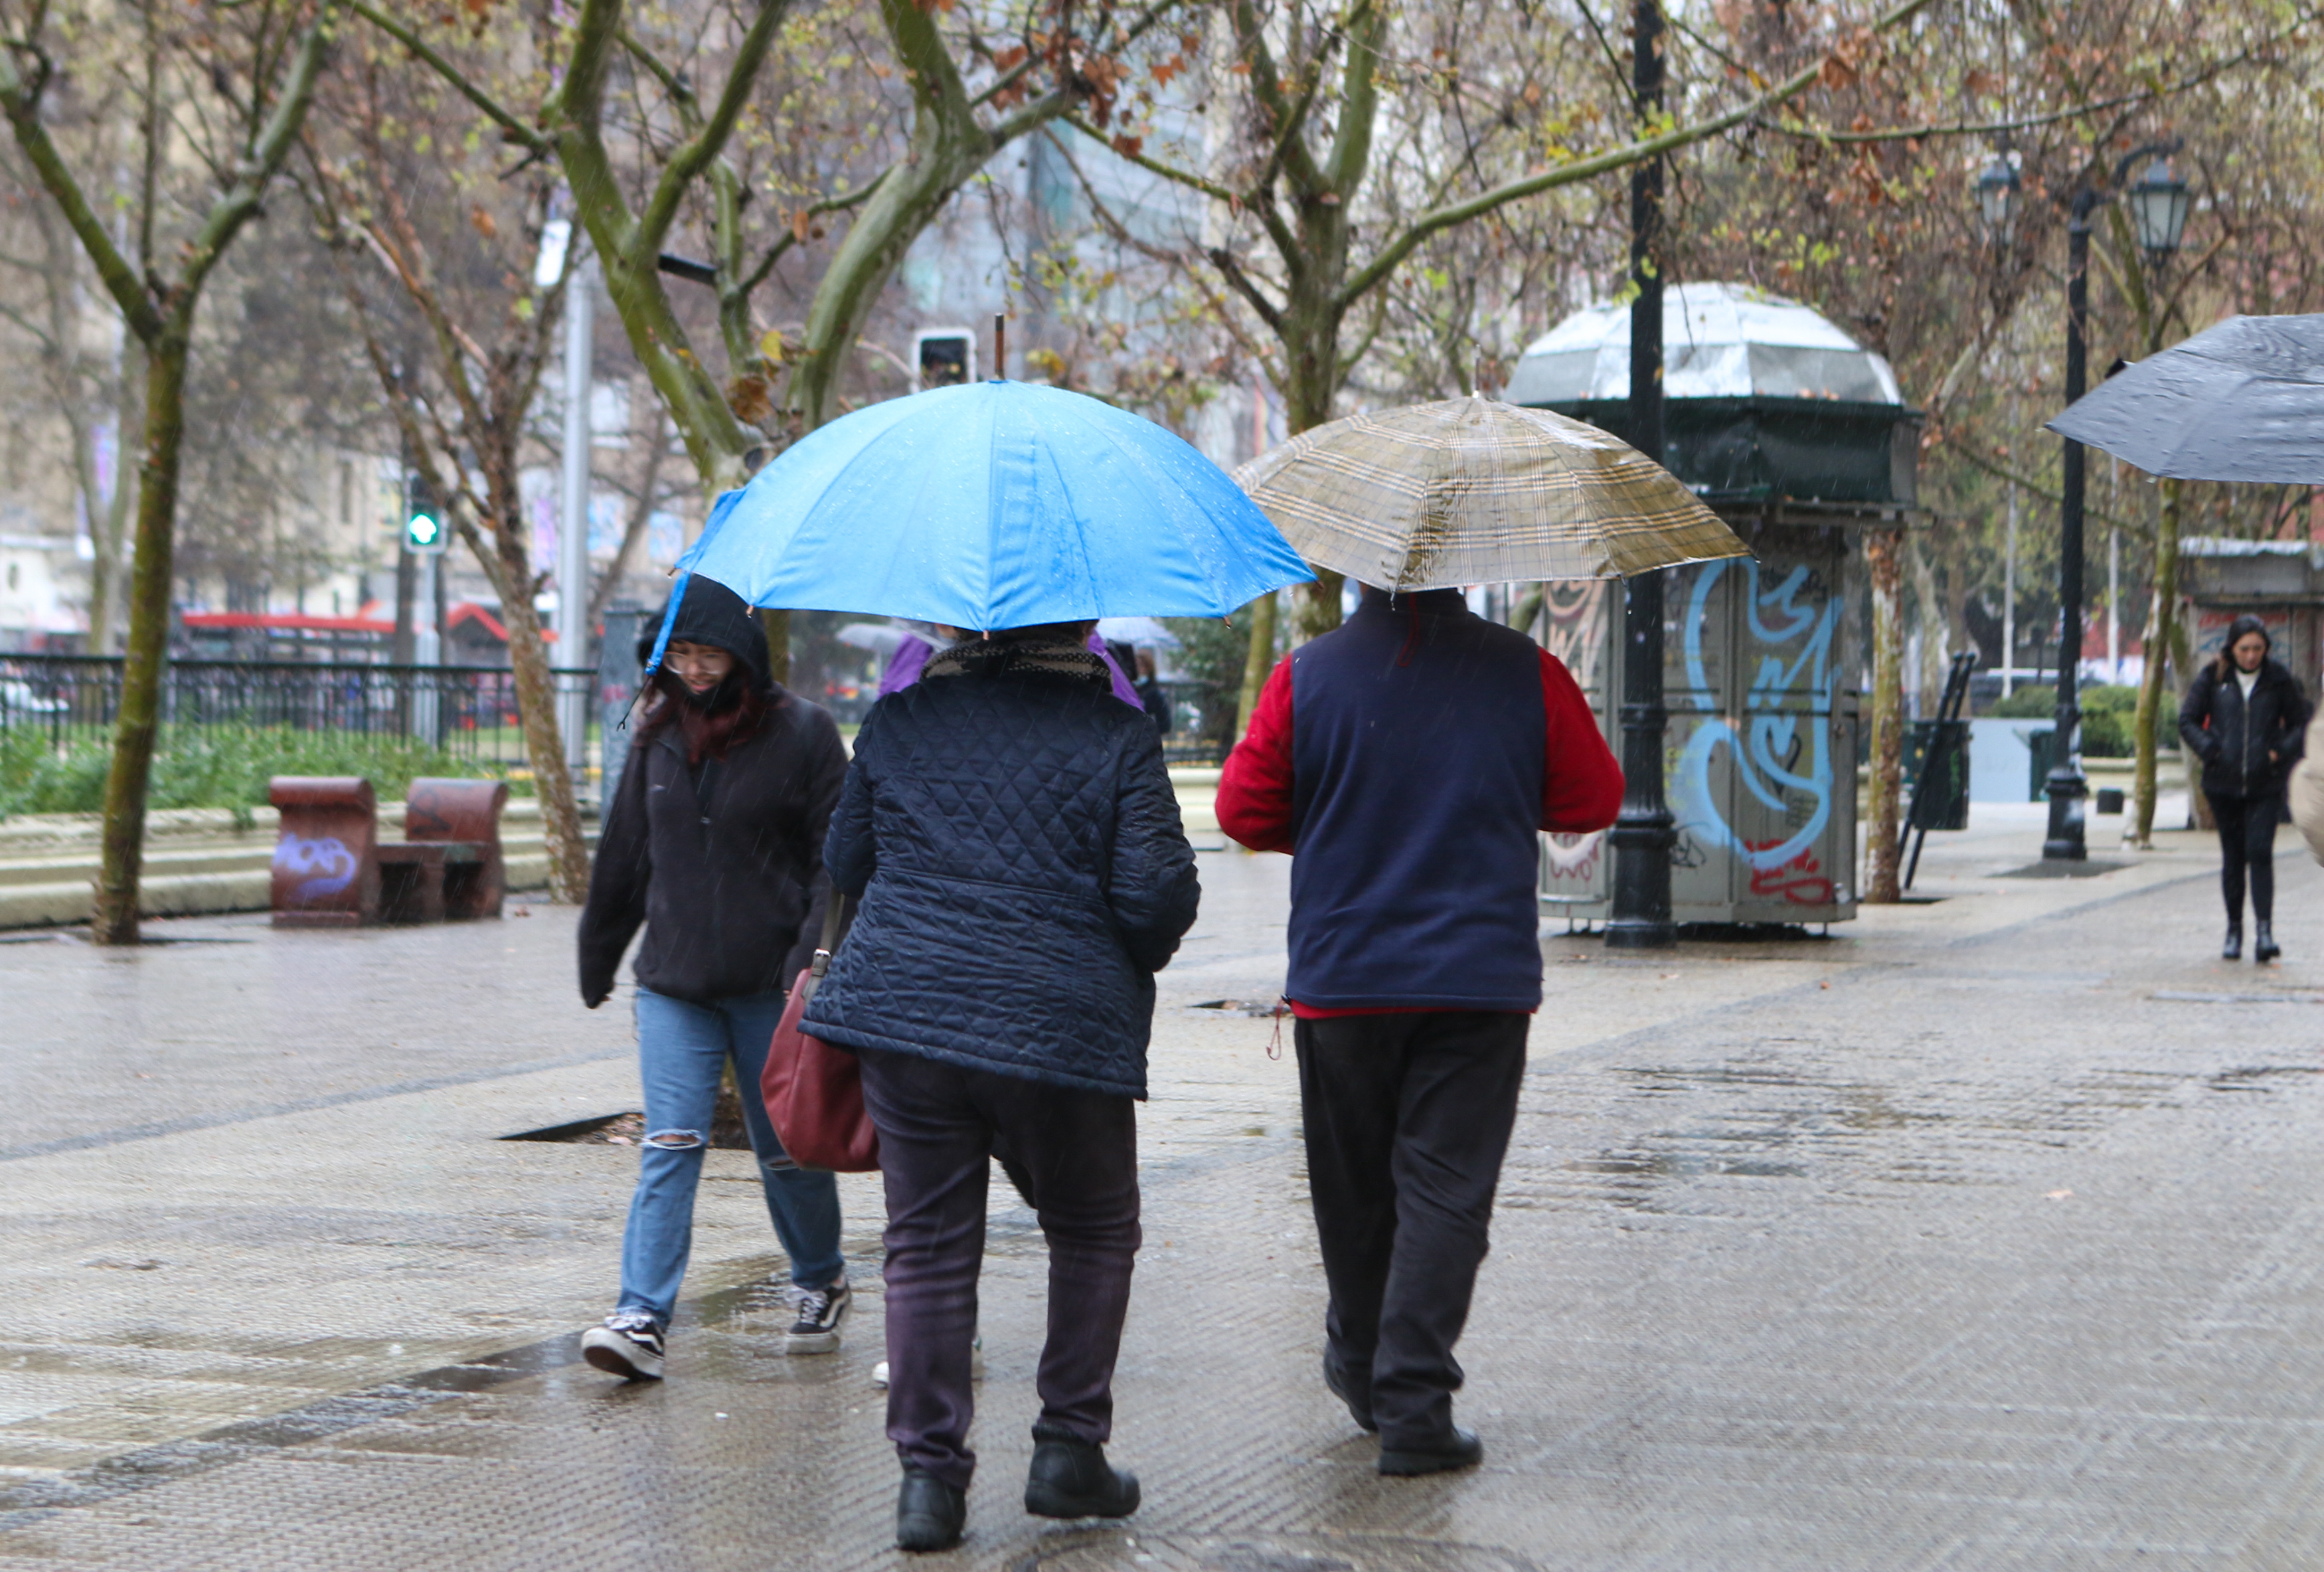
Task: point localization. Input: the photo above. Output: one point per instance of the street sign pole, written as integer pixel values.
(573, 517)
(1643, 835)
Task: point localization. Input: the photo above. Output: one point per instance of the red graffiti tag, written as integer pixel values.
(1798, 880)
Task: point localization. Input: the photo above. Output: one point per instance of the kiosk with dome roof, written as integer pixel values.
(1800, 438)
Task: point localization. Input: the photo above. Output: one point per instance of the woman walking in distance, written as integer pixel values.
(2245, 716)
(1010, 827)
(715, 842)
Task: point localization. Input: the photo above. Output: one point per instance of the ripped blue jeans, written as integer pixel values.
(682, 1049)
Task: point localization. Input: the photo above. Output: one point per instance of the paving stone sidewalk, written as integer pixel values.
(1982, 1234)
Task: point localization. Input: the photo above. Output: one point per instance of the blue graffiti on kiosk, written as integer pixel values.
(1766, 753)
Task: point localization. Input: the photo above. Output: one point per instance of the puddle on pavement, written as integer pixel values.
(2185, 996)
(1747, 1119)
(2252, 1077)
(1683, 1165)
(1128, 1550)
(148, 941)
(628, 1129)
(1252, 1007)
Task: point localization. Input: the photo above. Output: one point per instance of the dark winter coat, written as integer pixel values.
(727, 880)
(1023, 874)
(2233, 738)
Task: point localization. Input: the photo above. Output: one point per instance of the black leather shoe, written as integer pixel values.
(2264, 945)
(1362, 1412)
(2233, 949)
(1070, 1478)
(929, 1513)
(1460, 1449)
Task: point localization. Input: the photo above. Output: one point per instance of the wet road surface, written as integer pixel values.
(1984, 1235)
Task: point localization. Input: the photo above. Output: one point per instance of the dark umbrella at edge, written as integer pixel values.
(2243, 401)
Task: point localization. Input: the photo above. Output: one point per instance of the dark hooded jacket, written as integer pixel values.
(721, 861)
(2233, 736)
(1023, 873)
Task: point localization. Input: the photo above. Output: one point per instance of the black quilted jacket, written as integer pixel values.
(1023, 875)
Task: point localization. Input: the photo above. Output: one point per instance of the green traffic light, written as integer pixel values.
(423, 530)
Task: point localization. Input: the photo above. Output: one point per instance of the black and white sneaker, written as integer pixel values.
(820, 1312)
(629, 1344)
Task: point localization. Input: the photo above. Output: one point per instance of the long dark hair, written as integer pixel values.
(711, 723)
(2225, 667)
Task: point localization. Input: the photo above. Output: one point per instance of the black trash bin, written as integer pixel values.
(2041, 755)
(1942, 801)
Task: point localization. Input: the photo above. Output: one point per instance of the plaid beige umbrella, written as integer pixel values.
(1473, 491)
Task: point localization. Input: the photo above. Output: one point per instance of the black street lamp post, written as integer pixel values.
(2067, 787)
(2158, 206)
(1644, 835)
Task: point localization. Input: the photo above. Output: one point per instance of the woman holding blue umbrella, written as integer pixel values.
(1009, 827)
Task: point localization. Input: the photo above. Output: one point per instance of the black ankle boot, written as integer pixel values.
(2263, 946)
(2233, 950)
(929, 1513)
(1070, 1478)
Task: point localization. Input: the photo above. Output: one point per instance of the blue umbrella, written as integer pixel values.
(991, 504)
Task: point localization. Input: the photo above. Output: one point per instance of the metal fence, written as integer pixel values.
(469, 711)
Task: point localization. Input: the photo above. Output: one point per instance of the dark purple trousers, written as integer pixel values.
(939, 1125)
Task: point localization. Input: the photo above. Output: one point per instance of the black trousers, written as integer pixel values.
(1408, 1118)
(2247, 844)
(1077, 1151)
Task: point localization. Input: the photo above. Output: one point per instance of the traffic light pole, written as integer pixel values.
(406, 586)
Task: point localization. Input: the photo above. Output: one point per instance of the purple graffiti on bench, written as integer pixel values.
(326, 864)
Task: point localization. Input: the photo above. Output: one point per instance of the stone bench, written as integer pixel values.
(331, 869)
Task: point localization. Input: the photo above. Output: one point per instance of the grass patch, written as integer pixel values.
(216, 767)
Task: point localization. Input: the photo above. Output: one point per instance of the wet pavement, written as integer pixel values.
(1982, 1234)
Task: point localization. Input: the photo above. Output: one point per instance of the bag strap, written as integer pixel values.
(834, 912)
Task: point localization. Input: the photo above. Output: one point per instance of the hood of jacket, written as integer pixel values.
(711, 613)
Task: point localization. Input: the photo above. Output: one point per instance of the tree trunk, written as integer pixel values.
(544, 739)
(908, 201)
(105, 531)
(1258, 660)
(777, 625)
(1881, 555)
(1936, 630)
(138, 725)
(1311, 356)
(2161, 618)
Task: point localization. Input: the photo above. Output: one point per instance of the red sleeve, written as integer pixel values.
(1254, 803)
(1582, 785)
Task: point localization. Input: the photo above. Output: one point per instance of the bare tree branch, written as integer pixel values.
(515, 129)
(1447, 216)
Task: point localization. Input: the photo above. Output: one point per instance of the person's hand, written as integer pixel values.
(595, 994)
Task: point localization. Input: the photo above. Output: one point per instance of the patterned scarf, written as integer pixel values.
(1005, 657)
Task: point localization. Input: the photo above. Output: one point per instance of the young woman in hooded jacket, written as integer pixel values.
(713, 841)
(2244, 717)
